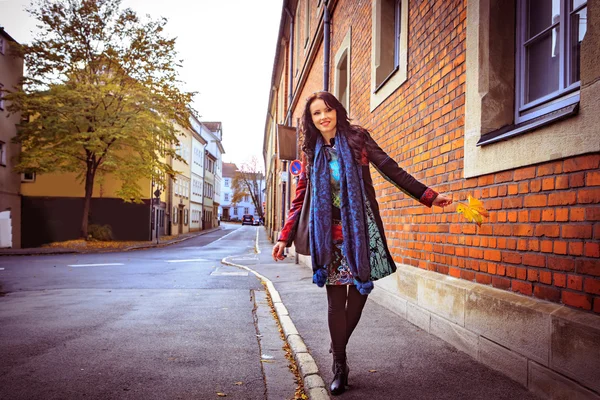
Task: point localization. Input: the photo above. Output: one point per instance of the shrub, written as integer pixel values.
(102, 233)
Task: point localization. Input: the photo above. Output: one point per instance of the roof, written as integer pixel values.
(229, 170)
(212, 126)
(4, 33)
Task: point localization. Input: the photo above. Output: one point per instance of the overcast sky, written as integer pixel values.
(228, 48)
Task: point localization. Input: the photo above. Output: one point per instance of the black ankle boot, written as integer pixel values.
(340, 377)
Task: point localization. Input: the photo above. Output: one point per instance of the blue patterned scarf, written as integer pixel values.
(354, 223)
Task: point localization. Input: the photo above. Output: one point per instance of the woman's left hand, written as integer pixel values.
(442, 201)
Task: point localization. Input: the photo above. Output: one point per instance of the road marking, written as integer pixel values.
(223, 237)
(1, 269)
(190, 260)
(240, 273)
(93, 265)
(256, 248)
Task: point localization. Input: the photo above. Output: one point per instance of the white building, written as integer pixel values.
(229, 210)
(197, 175)
(212, 133)
(225, 211)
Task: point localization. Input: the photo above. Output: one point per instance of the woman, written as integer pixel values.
(347, 240)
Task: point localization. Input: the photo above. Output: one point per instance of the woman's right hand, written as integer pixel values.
(278, 251)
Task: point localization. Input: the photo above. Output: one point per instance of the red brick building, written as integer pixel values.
(495, 99)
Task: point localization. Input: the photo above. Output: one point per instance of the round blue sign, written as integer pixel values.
(295, 167)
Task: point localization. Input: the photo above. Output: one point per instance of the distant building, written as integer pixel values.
(212, 132)
(180, 187)
(225, 210)
(11, 72)
(197, 175)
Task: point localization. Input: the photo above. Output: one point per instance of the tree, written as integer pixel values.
(249, 181)
(101, 95)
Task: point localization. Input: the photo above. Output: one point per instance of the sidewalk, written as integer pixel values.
(108, 247)
(389, 358)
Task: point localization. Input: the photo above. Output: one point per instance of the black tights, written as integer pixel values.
(345, 308)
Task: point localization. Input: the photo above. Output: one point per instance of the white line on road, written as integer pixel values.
(223, 237)
(93, 265)
(1, 269)
(190, 260)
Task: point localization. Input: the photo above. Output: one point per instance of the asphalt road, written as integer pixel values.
(161, 323)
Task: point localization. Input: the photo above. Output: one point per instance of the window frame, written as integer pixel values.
(399, 74)
(25, 179)
(343, 55)
(3, 149)
(567, 94)
(307, 24)
(2, 105)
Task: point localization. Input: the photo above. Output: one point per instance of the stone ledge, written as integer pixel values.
(557, 340)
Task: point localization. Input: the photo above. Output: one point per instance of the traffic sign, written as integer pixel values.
(295, 167)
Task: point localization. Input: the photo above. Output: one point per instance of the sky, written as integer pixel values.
(227, 48)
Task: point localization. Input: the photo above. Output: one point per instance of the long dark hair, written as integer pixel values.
(310, 133)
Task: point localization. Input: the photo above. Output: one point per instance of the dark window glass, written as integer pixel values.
(389, 40)
(548, 53)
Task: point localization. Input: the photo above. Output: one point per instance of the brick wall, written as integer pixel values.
(543, 233)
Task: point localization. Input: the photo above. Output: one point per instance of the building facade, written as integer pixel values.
(197, 175)
(226, 210)
(181, 186)
(212, 132)
(11, 72)
(494, 99)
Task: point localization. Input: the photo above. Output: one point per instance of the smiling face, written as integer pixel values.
(324, 118)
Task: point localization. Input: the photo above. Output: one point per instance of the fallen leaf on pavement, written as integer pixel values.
(239, 383)
(221, 394)
(372, 370)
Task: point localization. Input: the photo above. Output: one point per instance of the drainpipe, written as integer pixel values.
(291, 67)
(326, 36)
(285, 192)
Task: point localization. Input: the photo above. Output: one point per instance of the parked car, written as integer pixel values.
(247, 219)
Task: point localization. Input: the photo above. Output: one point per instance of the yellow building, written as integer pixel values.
(180, 187)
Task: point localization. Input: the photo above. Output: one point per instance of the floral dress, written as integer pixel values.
(338, 272)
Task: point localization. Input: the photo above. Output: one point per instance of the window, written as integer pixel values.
(175, 215)
(297, 43)
(500, 96)
(226, 197)
(185, 216)
(246, 210)
(226, 182)
(1, 97)
(342, 72)
(389, 49)
(28, 177)
(307, 23)
(389, 41)
(2, 44)
(549, 35)
(3, 154)
(235, 211)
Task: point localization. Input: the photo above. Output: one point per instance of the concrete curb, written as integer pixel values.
(314, 386)
(36, 251)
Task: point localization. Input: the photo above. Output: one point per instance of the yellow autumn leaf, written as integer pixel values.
(239, 383)
(473, 211)
(221, 394)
